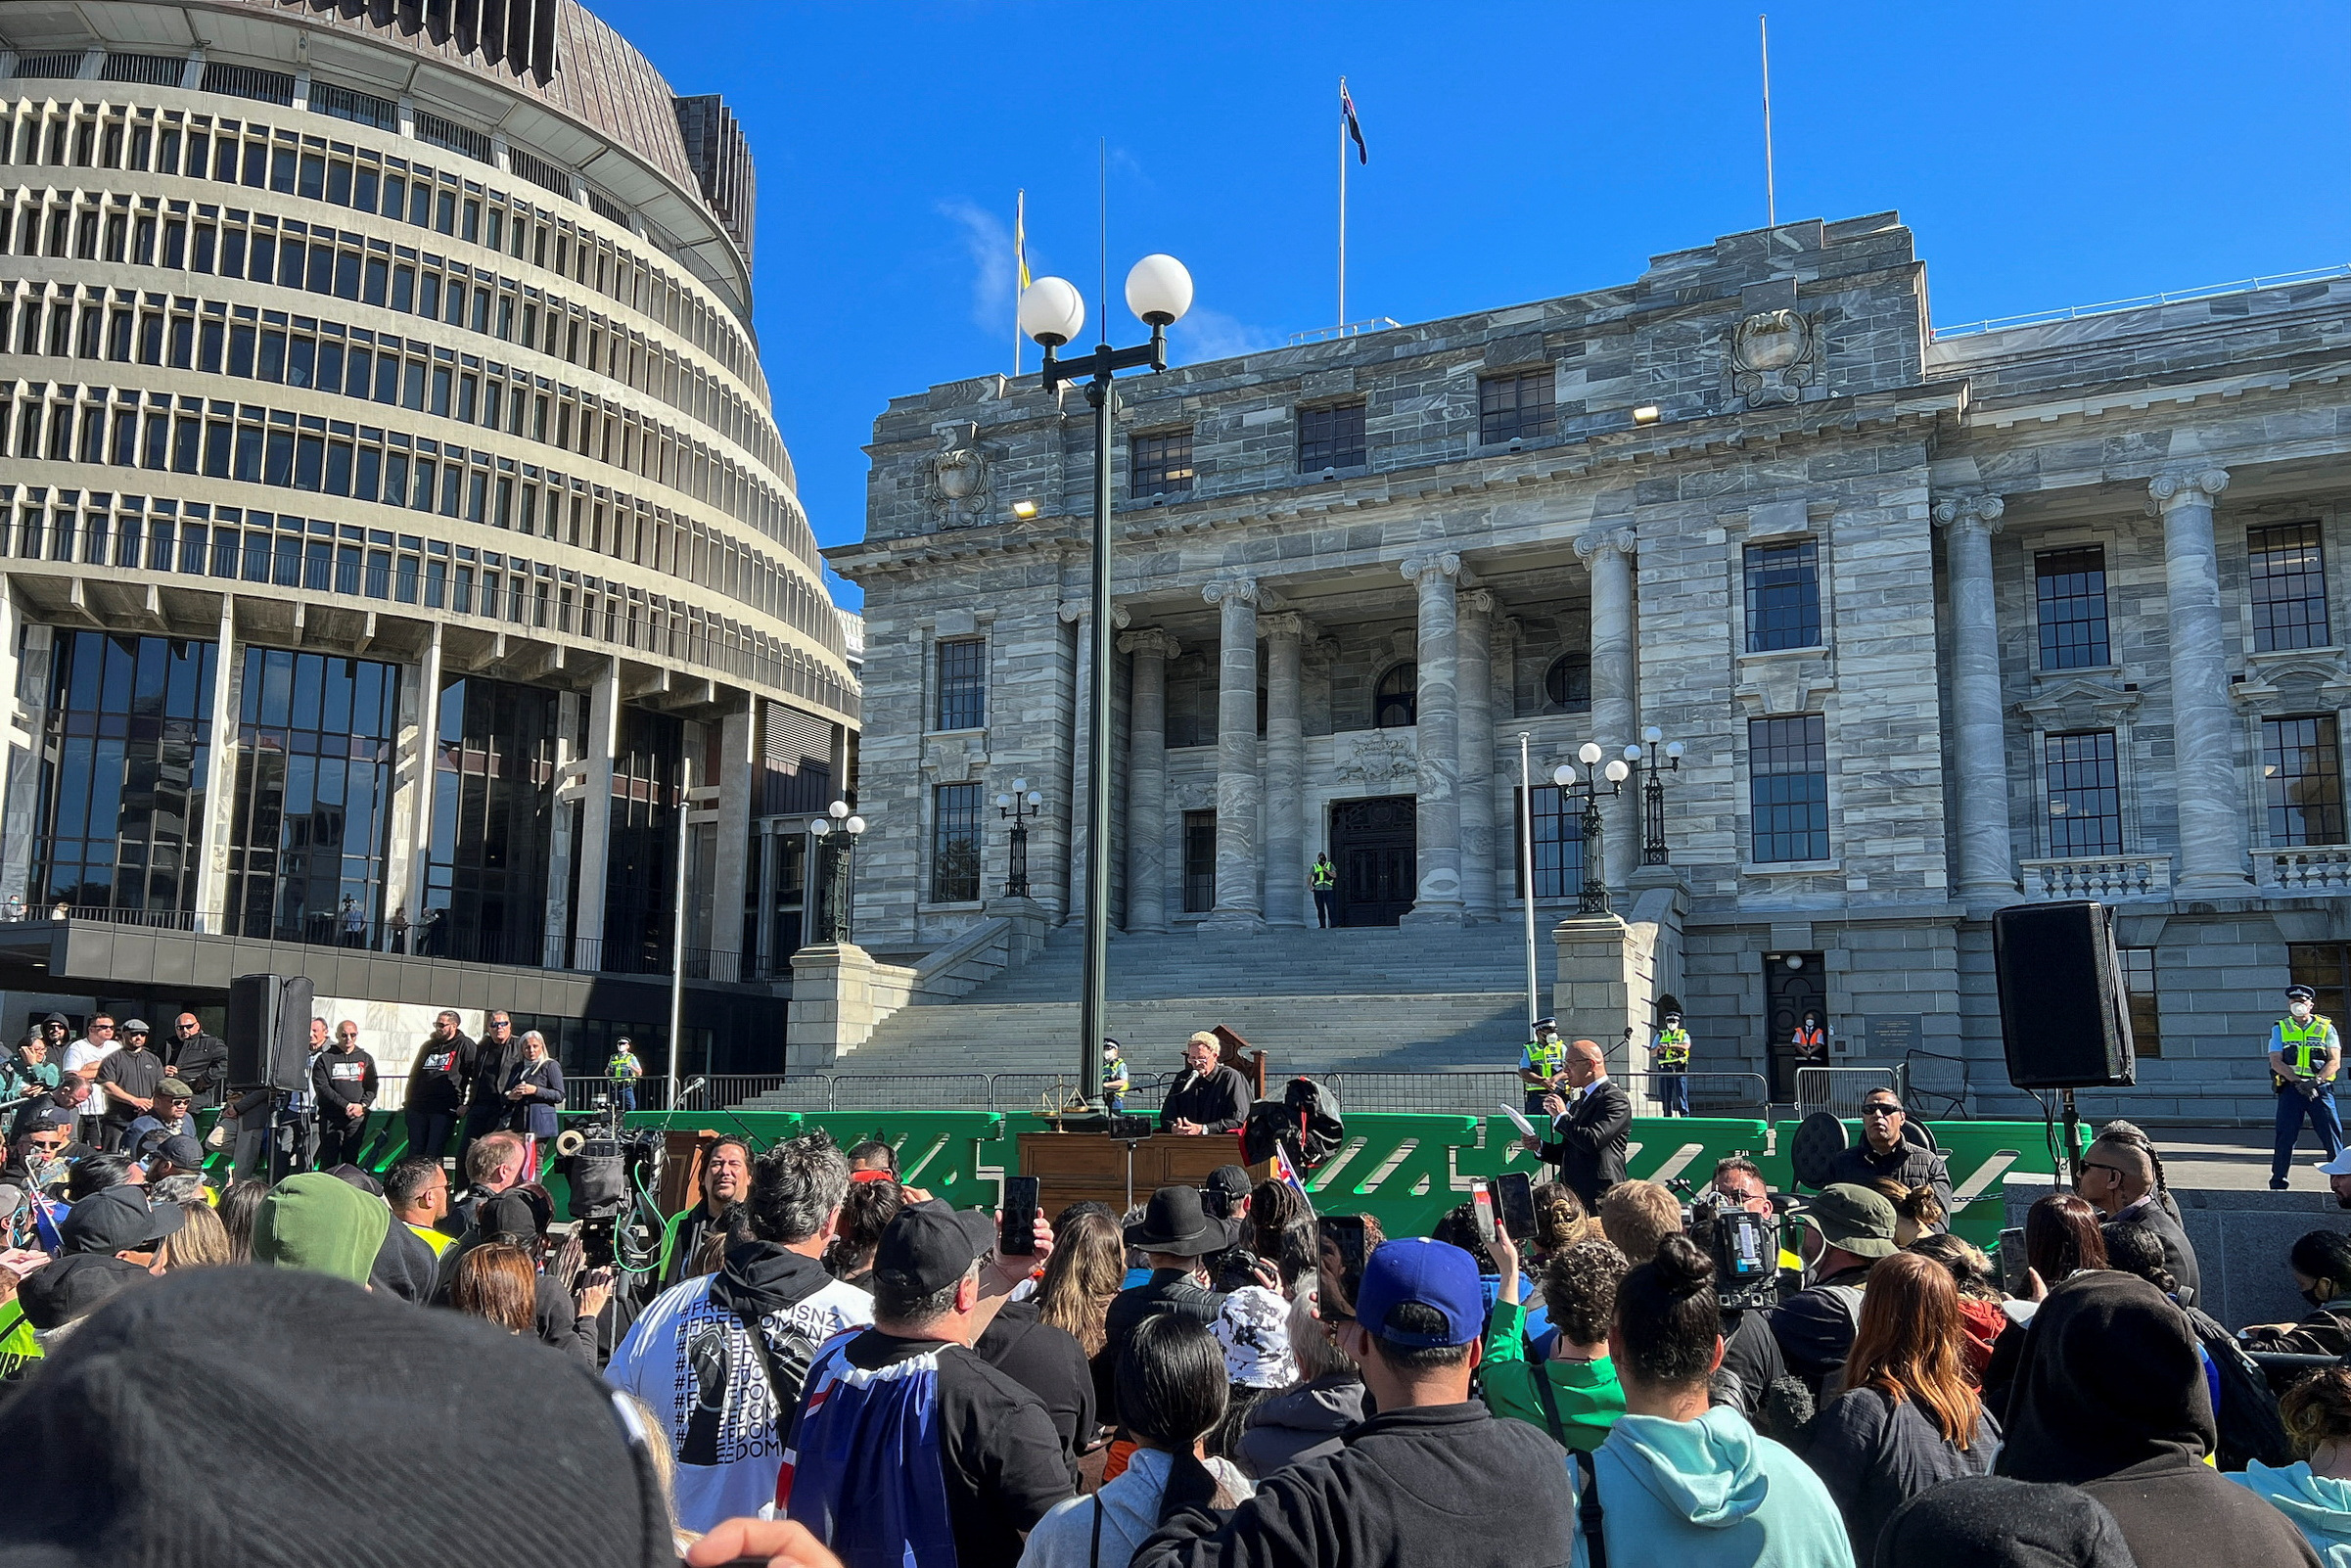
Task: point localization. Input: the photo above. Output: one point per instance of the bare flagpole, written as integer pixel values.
(1763, 25)
(1343, 202)
(1020, 269)
(1526, 874)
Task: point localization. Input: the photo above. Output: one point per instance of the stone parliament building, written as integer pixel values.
(1944, 623)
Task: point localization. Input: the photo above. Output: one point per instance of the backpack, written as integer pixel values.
(1304, 1121)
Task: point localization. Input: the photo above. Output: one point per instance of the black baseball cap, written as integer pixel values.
(930, 1246)
(182, 1151)
(1232, 1183)
(118, 1219)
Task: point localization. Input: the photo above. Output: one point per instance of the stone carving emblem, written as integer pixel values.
(1774, 354)
(959, 478)
(1377, 758)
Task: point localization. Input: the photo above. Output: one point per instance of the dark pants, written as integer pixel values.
(481, 1120)
(624, 1098)
(1672, 1093)
(429, 1132)
(2291, 1108)
(1326, 908)
(341, 1141)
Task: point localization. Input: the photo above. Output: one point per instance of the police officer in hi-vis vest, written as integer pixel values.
(1324, 878)
(2305, 1054)
(1541, 1062)
(1668, 1064)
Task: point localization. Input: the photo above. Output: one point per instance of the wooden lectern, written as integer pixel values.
(1079, 1162)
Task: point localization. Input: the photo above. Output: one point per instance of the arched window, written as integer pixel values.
(1567, 684)
(1395, 701)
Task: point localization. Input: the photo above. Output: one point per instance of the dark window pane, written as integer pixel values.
(2285, 569)
(2138, 989)
(2071, 587)
(2302, 780)
(1788, 788)
(1567, 684)
(1395, 701)
(1784, 595)
(1199, 862)
(955, 843)
(1160, 464)
(2085, 794)
(1558, 845)
(1330, 437)
(962, 683)
(1517, 407)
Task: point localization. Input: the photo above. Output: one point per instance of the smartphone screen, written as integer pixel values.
(1016, 1234)
(2012, 1265)
(1514, 1201)
(1347, 1232)
(1481, 1204)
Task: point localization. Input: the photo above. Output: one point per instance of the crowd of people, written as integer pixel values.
(826, 1364)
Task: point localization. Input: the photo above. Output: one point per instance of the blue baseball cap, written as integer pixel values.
(1432, 1273)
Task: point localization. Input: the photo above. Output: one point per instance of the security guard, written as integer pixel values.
(625, 1069)
(1669, 1060)
(1541, 1062)
(1324, 878)
(2305, 1054)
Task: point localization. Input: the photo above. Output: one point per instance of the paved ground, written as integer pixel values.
(2232, 1159)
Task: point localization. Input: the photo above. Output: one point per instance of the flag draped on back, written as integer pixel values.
(864, 1472)
(1363, 154)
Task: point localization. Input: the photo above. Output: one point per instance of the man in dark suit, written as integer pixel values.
(2119, 1181)
(1587, 1126)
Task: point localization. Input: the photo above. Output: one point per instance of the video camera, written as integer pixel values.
(1744, 1246)
(609, 1169)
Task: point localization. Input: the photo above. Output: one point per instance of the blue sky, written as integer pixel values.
(2047, 155)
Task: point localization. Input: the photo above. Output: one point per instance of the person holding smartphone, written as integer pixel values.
(1571, 1393)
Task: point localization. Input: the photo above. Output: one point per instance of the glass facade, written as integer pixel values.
(126, 742)
(493, 795)
(640, 888)
(316, 749)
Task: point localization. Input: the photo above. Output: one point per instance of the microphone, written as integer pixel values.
(692, 1087)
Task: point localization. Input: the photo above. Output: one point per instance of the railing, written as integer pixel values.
(2178, 297)
(151, 919)
(2109, 878)
(2313, 870)
(1351, 329)
(1935, 1085)
(713, 1093)
(1841, 1090)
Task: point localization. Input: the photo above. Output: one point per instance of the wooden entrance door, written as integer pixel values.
(1789, 993)
(1372, 844)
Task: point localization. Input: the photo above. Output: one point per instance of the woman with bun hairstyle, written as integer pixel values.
(1683, 1483)
(2314, 1493)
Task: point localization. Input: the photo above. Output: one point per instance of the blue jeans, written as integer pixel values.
(1672, 1093)
(624, 1098)
(2291, 1108)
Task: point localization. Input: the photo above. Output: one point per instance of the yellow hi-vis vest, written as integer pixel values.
(1324, 875)
(2305, 1044)
(1546, 1057)
(1671, 1054)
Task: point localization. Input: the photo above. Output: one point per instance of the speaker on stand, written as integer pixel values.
(2064, 1019)
(269, 1037)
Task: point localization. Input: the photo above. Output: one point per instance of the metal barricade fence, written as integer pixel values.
(1840, 1090)
(1472, 1092)
(1727, 1094)
(1935, 1085)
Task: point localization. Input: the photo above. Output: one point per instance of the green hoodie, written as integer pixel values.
(2319, 1505)
(1711, 1493)
(321, 1222)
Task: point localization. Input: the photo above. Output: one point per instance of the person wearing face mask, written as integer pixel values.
(2305, 1054)
(2320, 1262)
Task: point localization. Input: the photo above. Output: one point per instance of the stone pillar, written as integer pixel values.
(1980, 753)
(1239, 907)
(27, 691)
(1437, 813)
(1479, 899)
(2204, 738)
(1285, 772)
(1147, 654)
(414, 777)
(1615, 722)
(594, 847)
(732, 871)
(220, 778)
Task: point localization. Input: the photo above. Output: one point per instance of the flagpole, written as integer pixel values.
(1020, 264)
(1763, 25)
(1342, 202)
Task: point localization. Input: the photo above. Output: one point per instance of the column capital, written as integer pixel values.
(1620, 540)
(1289, 623)
(1479, 602)
(1506, 632)
(1078, 610)
(1442, 563)
(2185, 486)
(1980, 514)
(1152, 642)
(1248, 590)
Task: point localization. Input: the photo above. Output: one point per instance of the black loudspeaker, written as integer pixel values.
(2065, 1021)
(269, 1030)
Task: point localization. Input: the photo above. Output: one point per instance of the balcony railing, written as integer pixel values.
(2107, 878)
(2324, 868)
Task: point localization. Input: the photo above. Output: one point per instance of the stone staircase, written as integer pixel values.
(1368, 999)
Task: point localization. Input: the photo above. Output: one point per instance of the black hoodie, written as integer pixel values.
(2112, 1398)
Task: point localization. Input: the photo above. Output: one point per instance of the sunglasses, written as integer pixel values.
(1882, 1110)
(2092, 1165)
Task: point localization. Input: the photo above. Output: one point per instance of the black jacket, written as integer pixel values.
(1587, 1143)
(1751, 1355)
(1445, 1484)
(201, 1062)
(1169, 1290)
(1219, 1103)
(1298, 1424)
(1874, 1455)
(2178, 1256)
(1815, 1327)
(1911, 1164)
(1049, 1363)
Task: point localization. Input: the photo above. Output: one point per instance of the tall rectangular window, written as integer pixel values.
(1160, 464)
(1784, 595)
(2326, 968)
(2085, 793)
(2071, 588)
(1199, 862)
(955, 843)
(1330, 437)
(2285, 568)
(1518, 405)
(2302, 780)
(1788, 788)
(962, 683)
(1558, 846)
(2139, 990)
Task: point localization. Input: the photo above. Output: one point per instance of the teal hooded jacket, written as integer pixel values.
(1711, 1493)
(2319, 1505)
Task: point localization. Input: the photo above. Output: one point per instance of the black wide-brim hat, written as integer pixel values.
(1177, 1223)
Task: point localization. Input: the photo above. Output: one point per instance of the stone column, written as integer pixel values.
(220, 778)
(1239, 907)
(1476, 681)
(1987, 858)
(594, 847)
(733, 872)
(1147, 654)
(415, 776)
(1285, 772)
(2204, 739)
(1437, 813)
(27, 694)
(1615, 723)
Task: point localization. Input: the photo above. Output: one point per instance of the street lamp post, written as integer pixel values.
(1021, 805)
(836, 834)
(1052, 313)
(1593, 899)
(1653, 791)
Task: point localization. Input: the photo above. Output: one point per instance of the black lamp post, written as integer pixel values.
(836, 834)
(1159, 291)
(1653, 791)
(1021, 805)
(1593, 899)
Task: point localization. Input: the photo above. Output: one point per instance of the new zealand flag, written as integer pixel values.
(863, 1471)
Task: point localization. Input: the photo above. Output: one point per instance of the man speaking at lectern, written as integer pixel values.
(1207, 1097)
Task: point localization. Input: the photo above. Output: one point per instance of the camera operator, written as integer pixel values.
(1751, 1356)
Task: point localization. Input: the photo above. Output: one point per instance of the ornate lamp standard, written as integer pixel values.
(1594, 900)
(1021, 805)
(1052, 313)
(836, 834)
(1653, 791)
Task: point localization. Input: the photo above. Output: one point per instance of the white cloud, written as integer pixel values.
(987, 241)
(1206, 333)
